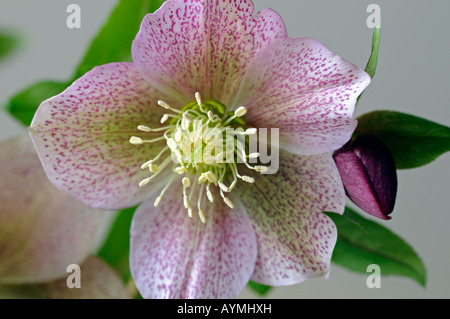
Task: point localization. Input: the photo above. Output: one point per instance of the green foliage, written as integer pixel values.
(116, 249)
(113, 42)
(412, 141)
(23, 105)
(362, 242)
(260, 289)
(373, 60)
(7, 44)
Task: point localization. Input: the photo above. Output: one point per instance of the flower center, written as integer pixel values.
(206, 143)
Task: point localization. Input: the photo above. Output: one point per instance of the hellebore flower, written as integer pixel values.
(369, 175)
(43, 230)
(206, 226)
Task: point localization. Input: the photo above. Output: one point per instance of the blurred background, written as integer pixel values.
(412, 77)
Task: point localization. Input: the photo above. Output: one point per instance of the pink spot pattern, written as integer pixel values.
(205, 46)
(308, 92)
(43, 230)
(83, 136)
(173, 256)
(295, 240)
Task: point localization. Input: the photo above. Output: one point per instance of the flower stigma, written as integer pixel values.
(204, 143)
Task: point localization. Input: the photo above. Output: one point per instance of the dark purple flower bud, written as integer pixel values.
(369, 175)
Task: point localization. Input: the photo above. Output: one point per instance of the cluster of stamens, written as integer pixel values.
(204, 147)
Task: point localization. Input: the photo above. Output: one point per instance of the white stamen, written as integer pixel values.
(248, 179)
(187, 117)
(240, 111)
(250, 131)
(153, 168)
(146, 164)
(200, 211)
(228, 202)
(186, 182)
(185, 201)
(161, 168)
(145, 181)
(261, 169)
(209, 195)
(198, 98)
(136, 140)
(253, 155)
(199, 102)
(178, 156)
(139, 141)
(184, 124)
(144, 128)
(212, 178)
(179, 170)
(147, 129)
(244, 156)
(168, 107)
(202, 216)
(224, 187)
(172, 144)
(202, 178)
(178, 136)
(164, 105)
(164, 118)
(157, 201)
(232, 185)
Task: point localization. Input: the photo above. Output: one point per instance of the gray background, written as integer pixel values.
(412, 77)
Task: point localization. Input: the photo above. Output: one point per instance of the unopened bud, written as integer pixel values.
(369, 175)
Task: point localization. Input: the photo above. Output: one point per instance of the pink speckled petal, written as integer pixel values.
(295, 240)
(202, 45)
(98, 281)
(82, 136)
(299, 86)
(42, 230)
(173, 256)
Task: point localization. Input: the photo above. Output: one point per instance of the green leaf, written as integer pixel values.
(260, 289)
(373, 60)
(116, 249)
(412, 141)
(113, 42)
(7, 44)
(24, 105)
(362, 242)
